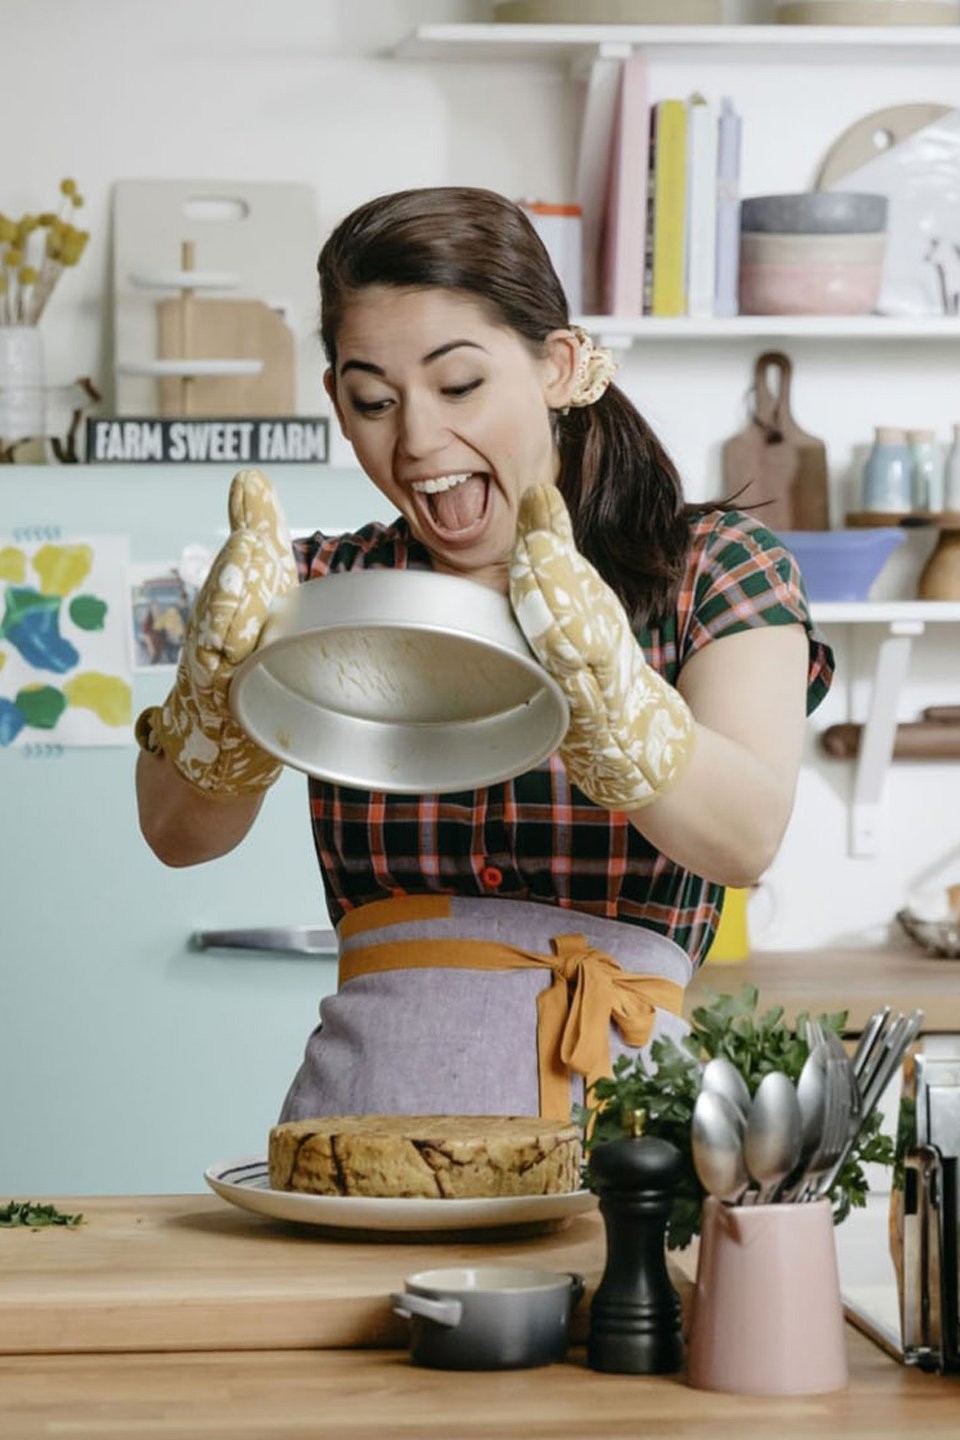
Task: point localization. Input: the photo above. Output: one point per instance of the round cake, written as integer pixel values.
(446, 1157)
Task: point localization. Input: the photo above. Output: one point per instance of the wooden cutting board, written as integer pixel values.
(190, 1272)
(773, 468)
(197, 329)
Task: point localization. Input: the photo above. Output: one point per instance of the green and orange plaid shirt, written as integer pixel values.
(537, 837)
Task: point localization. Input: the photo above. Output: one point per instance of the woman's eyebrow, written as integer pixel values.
(368, 367)
(450, 345)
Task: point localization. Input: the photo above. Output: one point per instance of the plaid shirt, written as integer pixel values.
(537, 837)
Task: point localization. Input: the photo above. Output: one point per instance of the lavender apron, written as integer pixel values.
(460, 1040)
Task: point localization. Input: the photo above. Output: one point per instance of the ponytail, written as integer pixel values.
(626, 504)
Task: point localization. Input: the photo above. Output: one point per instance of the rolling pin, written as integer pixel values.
(932, 738)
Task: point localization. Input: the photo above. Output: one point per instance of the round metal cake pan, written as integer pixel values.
(398, 680)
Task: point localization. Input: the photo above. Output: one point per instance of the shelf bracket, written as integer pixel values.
(879, 735)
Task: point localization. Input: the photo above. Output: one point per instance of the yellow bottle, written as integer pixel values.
(731, 943)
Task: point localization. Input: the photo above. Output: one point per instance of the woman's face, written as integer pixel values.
(449, 416)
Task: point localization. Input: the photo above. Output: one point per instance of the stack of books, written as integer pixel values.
(669, 235)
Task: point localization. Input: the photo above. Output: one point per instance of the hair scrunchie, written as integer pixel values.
(595, 369)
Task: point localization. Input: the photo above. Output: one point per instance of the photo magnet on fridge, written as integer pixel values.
(130, 440)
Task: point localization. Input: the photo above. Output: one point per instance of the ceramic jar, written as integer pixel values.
(888, 473)
(867, 12)
(22, 383)
(951, 477)
(927, 470)
(610, 12)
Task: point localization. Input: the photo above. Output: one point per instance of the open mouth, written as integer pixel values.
(456, 505)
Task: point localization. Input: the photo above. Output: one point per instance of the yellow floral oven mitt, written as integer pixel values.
(194, 727)
(631, 733)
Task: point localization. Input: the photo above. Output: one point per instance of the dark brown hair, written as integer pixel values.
(621, 487)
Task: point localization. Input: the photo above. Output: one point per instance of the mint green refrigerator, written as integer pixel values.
(131, 1057)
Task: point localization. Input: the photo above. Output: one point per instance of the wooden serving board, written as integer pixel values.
(190, 1272)
(773, 468)
(237, 330)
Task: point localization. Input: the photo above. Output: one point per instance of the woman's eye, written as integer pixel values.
(369, 407)
(457, 392)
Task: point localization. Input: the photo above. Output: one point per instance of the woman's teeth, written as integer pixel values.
(438, 483)
(456, 504)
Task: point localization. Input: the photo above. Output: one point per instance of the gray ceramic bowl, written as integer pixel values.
(488, 1317)
(815, 212)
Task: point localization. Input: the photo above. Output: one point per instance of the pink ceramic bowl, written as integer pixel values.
(825, 288)
(810, 274)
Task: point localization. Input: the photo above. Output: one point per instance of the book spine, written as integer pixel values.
(648, 216)
(730, 131)
(669, 210)
(701, 248)
(594, 169)
(625, 220)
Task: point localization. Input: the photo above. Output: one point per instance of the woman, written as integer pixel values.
(499, 946)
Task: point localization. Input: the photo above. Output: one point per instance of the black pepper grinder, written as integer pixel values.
(635, 1312)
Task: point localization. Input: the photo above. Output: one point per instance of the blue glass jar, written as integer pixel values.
(888, 473)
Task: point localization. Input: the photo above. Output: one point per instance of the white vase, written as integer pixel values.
(22, 383)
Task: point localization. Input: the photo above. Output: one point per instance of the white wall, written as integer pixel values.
(307, 90)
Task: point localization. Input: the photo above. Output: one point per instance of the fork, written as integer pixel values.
(836, 1124)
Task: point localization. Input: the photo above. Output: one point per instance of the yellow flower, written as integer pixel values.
(68, 187)
(74, 246)
(13, 258)
(28, 275)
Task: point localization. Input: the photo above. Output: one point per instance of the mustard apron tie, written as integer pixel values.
(588, 990)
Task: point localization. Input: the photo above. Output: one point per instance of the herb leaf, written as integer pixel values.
(27, 1212)
(756, 1044)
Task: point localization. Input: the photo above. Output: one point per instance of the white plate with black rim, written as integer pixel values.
(246, 1183)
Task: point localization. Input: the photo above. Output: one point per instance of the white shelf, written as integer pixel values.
(189, 369)
(841, 43)
(903, 620)
(619, 332)
(886, 612)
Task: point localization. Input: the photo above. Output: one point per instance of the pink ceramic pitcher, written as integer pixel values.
(767, 1314)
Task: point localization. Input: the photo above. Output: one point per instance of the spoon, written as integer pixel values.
(812, 1097)
(716, 1144)
(812, 1088)
(722, 1077)
(771, 1141)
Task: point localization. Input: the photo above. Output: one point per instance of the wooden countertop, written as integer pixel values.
(200, 1320)
(858, 981)
(366, 1395)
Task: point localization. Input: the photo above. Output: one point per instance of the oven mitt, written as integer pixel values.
(194, 728)
(631, 733)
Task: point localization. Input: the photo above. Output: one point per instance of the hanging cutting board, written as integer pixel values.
(265, 233)
(773, 468)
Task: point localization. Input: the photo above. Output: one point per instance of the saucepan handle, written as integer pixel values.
(443, 1312)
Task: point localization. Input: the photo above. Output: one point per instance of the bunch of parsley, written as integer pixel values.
(755, 1044)
(29, 1213)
